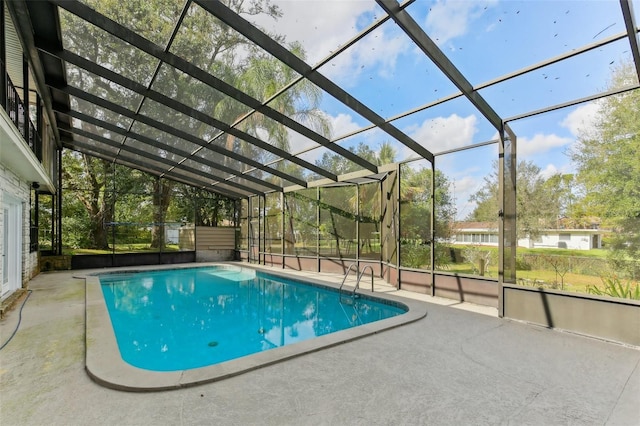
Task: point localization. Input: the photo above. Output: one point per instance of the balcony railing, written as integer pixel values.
(19, 114)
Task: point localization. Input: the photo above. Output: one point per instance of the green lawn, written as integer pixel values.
(548, 279)
(597, 253)
(543, 277)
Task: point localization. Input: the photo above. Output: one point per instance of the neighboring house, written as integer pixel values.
(483, 233)
(486, 233)
(578, 239)
(29, 160)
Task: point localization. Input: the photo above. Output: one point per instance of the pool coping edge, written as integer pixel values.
(105, 366)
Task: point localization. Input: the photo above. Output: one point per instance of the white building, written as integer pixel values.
(486, 233)
(577, 239)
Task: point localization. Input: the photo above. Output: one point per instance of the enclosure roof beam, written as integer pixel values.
(404, 20)
(177, 62)
(106, 155)
(103, 72)
(148, 155)
(630, 24)
(573, 103)
(72, 91)
(244, 27)
(159, 145)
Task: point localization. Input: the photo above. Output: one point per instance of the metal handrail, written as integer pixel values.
(18, 112)
(360, 277)
(346, 275)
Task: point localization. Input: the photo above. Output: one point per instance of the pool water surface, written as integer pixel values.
(181, 319)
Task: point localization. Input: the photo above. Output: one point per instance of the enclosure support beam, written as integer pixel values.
(282, 224)
(261, 227)
(358, 226)
(432, 219)
(58, 249)
(145, 154)
(507, 243)
(380, 235)
(318, 228)
(396, 224)
(629, 22)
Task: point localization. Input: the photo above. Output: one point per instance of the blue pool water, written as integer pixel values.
(188, 318)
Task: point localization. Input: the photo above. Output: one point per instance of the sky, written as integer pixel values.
(485, 40)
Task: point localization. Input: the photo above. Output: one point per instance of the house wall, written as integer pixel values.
(12, 185)
(576, 240)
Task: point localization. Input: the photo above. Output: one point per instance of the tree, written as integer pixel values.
(387, 154)
(201, 207)
(341, 206)
(538, 206)
(161, 196)
(340, 165)
(93, 183)
(415, 215)
(212, 46)
(560, 264)
(562, 199)
(608, 165)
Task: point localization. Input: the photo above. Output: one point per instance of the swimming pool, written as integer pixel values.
(180, 319)
(183, 326)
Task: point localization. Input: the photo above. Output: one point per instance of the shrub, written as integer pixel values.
(414, 255)
(614, 287)
(522, 264)
(443, 257)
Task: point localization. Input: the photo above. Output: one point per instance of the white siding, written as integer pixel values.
(11, 184)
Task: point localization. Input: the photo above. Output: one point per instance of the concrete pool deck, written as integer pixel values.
(455, 366)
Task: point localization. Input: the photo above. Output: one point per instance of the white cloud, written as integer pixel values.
(581, 121)
(378, 51)
(340, 125)
(298, 143)
(552, 169)
(443, 133)
(541, 143)
(467, 185)
(463, 189)
(320, 26)
(549, 171)
(448, 19)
